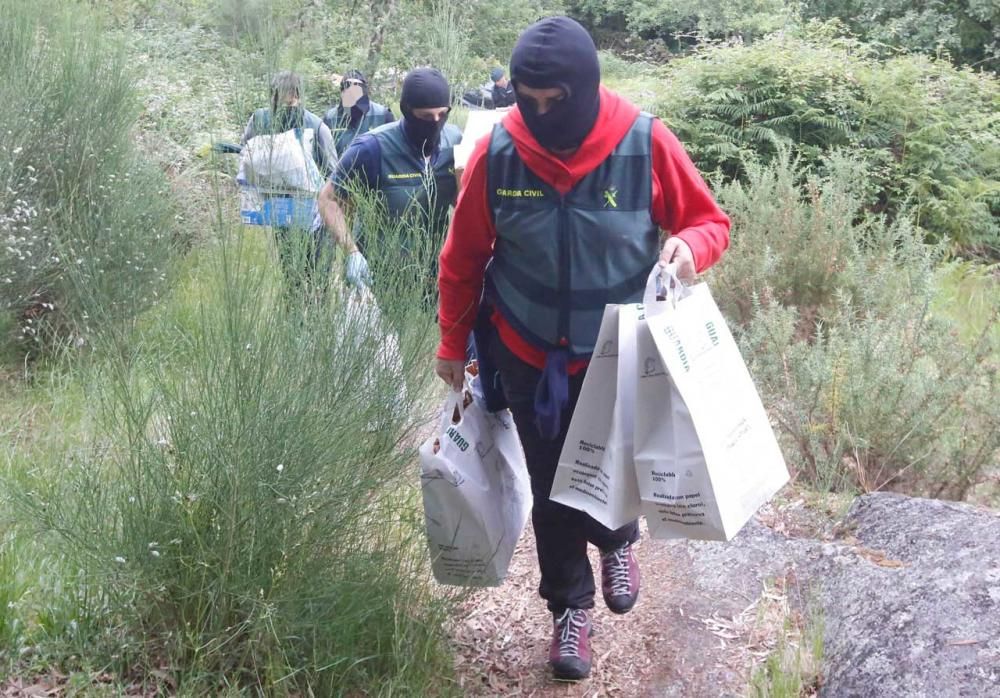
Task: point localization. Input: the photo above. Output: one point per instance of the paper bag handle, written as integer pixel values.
(455, 401)
(663, 282)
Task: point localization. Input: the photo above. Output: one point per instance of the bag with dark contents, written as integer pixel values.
(475, 490)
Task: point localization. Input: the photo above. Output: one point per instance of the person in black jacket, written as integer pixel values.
(503, 91)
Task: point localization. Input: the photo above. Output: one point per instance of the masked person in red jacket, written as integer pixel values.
(565, 208)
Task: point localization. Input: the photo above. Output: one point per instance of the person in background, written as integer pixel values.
(564, 208)
(409, 163)
(503, 91)
(356, 113)
(284, 114)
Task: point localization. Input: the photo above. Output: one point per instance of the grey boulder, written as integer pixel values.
(911, 600)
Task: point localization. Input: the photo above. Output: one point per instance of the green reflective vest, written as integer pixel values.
(339, 121)
(416, 195)
(559, 259)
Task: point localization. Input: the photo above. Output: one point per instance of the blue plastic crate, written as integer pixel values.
(285, 211)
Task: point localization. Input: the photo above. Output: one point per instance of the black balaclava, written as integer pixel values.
(423, 88)
(558, 52)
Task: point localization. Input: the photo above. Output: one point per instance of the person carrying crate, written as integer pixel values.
(287, 152)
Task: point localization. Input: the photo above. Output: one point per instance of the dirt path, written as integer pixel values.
(663, 647)
(708, 614)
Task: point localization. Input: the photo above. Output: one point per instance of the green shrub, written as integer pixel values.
(967, 30)
(654, 25)
(728, 103)
(927, 132)
(250, 21)
(247, 506)
(76, 194)
(463, 39)
(933, 135)
(868, 384)
(715, 18)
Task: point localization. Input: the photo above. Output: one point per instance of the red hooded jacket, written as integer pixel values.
(682, 206)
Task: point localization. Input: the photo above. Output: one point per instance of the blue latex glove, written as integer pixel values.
(357, 272)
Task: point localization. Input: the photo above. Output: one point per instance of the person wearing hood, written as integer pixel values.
(503, 91)
(356, 113)
(284, 114)
(409, 163)
(565, 207)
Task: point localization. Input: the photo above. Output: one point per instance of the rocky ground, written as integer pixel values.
(904, 592)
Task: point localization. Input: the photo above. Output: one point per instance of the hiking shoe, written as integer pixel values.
(570, 651)
(620, 579)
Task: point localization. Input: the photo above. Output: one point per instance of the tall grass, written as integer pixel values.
(76, 193)
(236, 507)
(248, 510)
(44, 609)
(793, 668)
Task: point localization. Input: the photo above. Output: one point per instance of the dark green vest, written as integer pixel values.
(414, 191)
(559, 259)
(339, 121)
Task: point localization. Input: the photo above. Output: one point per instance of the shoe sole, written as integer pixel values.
(565, 678)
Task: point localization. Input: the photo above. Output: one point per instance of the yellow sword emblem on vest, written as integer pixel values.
(611, 197)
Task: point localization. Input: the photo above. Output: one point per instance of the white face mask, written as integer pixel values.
(351, 95)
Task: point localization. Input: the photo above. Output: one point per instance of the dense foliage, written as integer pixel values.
(926, 135)
(968, 31)
(680, 22)
(383, 38)
(867, 381)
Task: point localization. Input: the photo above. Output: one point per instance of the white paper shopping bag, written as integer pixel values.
(667, 452)
(705, 454)
(596, 473)
(476, 493)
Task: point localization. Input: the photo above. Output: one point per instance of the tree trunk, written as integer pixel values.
(382, 12)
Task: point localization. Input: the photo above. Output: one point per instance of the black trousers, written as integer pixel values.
(561, 533)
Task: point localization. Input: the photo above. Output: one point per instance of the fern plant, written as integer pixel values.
(928, 134)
